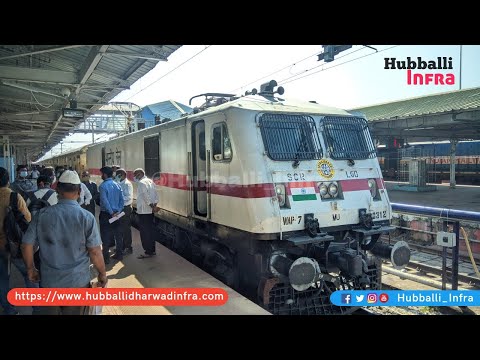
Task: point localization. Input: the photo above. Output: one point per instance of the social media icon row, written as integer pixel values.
(372, 298)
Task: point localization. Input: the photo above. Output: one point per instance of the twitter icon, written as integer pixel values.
(359, 298)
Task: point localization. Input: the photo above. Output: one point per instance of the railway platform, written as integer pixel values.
(165, 270)
(463, 197)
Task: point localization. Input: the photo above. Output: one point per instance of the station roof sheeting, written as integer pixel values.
(169, 109)
(38, 81)
(424, 105)
(449, 115)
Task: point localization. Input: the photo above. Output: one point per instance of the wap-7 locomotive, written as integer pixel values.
(282, 200)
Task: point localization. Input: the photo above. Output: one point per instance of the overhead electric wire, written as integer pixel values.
(277, 71)
(175, 68)
(289, 66)
(287, 80)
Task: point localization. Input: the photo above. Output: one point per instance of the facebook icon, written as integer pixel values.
(346, 298)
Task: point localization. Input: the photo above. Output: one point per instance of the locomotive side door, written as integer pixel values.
(199, 169)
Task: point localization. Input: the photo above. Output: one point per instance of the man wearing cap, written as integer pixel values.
(127, 190)
(92, 187)
(111, 204)
(69, 241)
(147, 199)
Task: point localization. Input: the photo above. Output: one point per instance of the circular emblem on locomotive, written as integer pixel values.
(325, 168)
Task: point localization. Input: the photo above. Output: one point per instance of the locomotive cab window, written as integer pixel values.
(221, 146)
(347, 138)
(290, 137)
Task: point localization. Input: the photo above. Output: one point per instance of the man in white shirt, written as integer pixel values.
(85, 195)
(43, 183)
(35, 173)
(127, 190)
(147, 199)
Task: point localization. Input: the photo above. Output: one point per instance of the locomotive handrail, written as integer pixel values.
(210, 94)
(450, 214)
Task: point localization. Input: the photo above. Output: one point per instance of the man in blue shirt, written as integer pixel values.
(111, 204)
(68, 240)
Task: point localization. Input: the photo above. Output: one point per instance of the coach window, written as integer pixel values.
(221, 146)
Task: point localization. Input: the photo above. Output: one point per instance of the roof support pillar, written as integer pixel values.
(453, 147)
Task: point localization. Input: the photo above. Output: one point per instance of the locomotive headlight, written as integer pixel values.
(323, 189)
(281, 194)
(333, 189)
(372, 185)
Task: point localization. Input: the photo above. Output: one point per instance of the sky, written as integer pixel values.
(356, 78)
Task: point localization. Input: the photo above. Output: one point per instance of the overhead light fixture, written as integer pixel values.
(421, 128)
(27, 113)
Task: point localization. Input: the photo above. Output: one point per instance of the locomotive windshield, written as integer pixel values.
(347, 138)
(290, 137)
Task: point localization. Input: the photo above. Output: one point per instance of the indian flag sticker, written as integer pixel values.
(302, 191)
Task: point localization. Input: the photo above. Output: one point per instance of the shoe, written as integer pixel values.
(144, 256)
(117, 257)
(127, 251)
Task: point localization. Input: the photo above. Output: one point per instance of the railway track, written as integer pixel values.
(427, 261)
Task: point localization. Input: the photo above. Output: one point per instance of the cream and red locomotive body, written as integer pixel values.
(282, 200)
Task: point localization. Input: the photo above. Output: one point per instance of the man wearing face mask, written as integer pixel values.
(115, 168)
(127, 190)
(22, 185)
(147, 199)
(92, 187)
(111, 204)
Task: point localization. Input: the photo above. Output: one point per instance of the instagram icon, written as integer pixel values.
(371, 298)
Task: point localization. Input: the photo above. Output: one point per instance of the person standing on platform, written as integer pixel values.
(22, 185)
(85, 195)
(35, 173)
(58, 172)
(5, 194)
(127, 190)
(92, 187)
(115, 168)
(111, 204)
(69, 241)
(147, 199)
(43, 185)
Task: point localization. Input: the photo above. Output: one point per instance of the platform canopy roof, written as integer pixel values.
(444, 116)
(38, 81)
